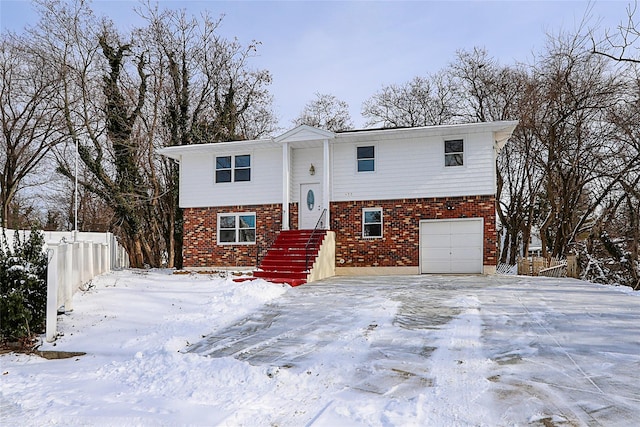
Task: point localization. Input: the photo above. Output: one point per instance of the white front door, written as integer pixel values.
(310, 207)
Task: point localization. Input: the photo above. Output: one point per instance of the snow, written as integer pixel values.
(165, 349)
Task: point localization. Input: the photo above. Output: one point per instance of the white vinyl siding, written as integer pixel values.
(198, 187)
(414, 168)
(408, 163)
(301, 161)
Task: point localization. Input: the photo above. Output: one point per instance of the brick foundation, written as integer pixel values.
(200, 236)
(399, 246)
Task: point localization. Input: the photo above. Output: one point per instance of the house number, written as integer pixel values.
(311, 200)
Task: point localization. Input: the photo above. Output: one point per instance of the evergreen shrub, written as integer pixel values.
(23, 286)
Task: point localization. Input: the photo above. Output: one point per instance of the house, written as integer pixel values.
(396, 201)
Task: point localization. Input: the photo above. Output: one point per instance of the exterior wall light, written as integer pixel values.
(312, 170)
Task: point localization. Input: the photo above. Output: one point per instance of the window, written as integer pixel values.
(372, 223)
(454, 152)
(236, 228)
(243, 168)
(236, 167)
(366, 159)
(223, 169)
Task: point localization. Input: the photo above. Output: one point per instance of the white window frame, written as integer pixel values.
(444, 149)
(242, 168)
(364, 223)
(232, 169)
(236, 228)
(375, 149)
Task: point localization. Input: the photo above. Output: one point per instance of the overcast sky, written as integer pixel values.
(352, 49)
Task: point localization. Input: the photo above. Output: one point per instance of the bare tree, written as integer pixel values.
(123, 96)
(423, 101)
(488, 91)
(202, 90)
(620, 44)
(572, 91)
(325, 112)
(101, 97)
(30, 122)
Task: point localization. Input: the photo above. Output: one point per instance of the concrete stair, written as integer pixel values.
(286, 259)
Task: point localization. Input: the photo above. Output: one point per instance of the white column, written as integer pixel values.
(326, 180)
(286, 187)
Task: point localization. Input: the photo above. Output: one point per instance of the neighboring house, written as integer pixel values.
(410, 200)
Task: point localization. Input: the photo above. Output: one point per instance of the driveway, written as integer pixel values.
(481, 350)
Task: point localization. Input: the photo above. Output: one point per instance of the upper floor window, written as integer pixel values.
(454, 152)
(238, 228)
(233, 168)
(366, 159)
(372, 222)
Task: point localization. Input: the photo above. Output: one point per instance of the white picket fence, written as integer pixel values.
(74, 259)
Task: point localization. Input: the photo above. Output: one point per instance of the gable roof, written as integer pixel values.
(304, 133)
(310, 136)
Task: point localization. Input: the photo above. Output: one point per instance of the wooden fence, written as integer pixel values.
(550, 267)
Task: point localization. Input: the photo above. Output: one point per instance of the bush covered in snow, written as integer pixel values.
(608, 260)
(23, 286)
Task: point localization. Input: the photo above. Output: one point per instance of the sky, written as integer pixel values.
(351, 49)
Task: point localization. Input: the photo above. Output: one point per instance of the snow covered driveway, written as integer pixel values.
(377, 351)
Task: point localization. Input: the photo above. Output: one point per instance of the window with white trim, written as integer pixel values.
(237, 228)
(454, 152)
(366, 158)
(233, 168)
(371, 223)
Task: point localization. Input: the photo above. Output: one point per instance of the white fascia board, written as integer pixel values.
(176, 152)
(501, 136)
(500, 128)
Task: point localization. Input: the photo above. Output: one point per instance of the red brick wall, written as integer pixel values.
(200, 236)
(293, 216)
(399, 245)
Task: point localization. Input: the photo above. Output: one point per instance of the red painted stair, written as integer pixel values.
(291, 257)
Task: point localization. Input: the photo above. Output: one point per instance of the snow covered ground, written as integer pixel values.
(172, 350)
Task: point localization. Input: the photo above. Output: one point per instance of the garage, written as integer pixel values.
(451, 246)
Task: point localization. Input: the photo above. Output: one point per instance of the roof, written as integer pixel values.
(304, 134)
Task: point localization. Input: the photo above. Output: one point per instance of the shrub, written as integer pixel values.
(23, 286)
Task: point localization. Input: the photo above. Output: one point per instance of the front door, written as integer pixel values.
(310, 207)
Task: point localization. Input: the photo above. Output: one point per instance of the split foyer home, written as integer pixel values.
(381, 201)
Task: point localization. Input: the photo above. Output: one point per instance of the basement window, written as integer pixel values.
(371, 223)
(237, 228)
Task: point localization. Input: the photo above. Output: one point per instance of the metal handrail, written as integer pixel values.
(306, 248)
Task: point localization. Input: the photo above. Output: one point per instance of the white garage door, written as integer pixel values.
(451, 246)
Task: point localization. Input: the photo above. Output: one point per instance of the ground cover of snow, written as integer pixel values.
(171, 350)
